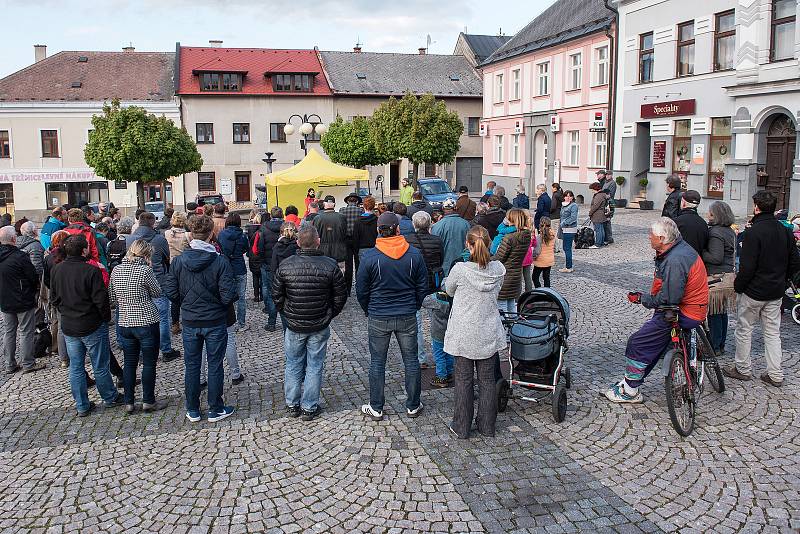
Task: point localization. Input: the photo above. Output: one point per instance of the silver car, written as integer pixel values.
(156, 208)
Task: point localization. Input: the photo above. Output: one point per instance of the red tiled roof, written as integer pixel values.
(255, 61)
(129, 76)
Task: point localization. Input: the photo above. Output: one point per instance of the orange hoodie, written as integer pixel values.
(394, 247)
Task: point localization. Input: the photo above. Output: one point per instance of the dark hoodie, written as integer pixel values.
(202, 283)
(283, 249)
(365, 231)
(234, 246)
(18, 280)
(265, 240)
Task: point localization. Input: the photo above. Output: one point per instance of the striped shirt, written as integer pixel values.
(132, 290)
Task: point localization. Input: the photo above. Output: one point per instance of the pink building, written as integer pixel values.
(545, 99)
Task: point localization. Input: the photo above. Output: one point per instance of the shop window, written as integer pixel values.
(725, 40)
(543, 79)
(49, 143)
(784, 15)
(719, 155)
(682, 146)
(206, 181)
(646, 57)
(74, 194)
(5, 144)
(204, 133)
(276, 133)
(241, 132)
(473, 126)
(573, 148)
(686, 49)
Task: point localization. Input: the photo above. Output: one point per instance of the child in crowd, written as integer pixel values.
(439, 304)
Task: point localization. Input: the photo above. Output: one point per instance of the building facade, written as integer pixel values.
(46, 111)
(546, 96)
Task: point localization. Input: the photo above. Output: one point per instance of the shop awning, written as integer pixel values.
(314, 168)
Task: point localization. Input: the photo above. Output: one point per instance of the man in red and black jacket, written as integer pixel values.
(77, 226)
(680, 279)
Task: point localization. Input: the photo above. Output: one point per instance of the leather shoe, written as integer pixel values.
(732, 372)
(129, 409)
(156, 406)
(767, 380)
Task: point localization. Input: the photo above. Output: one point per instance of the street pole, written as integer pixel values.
(269, 160)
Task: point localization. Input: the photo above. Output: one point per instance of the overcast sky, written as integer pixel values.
(380, 25)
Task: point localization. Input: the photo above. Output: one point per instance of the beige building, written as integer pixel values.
(45, 118)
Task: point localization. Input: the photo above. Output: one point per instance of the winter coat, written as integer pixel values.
(178, 241)
(693, 228)
(52, 226)
(234, 246)
(556, 200)
(160, 259)
(365, 231)
(466, 207)
(254, 260)
(512, 251)
(672, 205)
(440, 313)
(19, 283)
(720, 253)
(547, 253)
(432, 252)
(680, 279)
(309, 290)
(283, 249)
(502, 231)
(35, 251)
(543, 204)
(79, 293)
(521, 201)
(768, 257)
(392, 280)
(419, 205)
(505, 205)
(88, 232)
(265, 240)
(452, 229)
(491, 220)
(597, 209)
(475, 329)
(406, 226)
(332, 229)
(202, 284)
(351, 214)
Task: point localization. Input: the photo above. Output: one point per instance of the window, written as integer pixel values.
(498, 88)
(5, 144)
(515, 91)
(784, 13)
(646, 58)
(686, 49)
(573, 148)
(682, 146)
(49, 143)
(300, 83)
(241, 132)
(543, 79)
(720, 154)
(498, 149)
(276, 133)
(204, 132)
(430, 169)
(206, 181)
(601, 65)
(515, 148)
(724, 40)
(575, 71)
(225, 81)
(599, 149)
(473, 126)
(74, 193)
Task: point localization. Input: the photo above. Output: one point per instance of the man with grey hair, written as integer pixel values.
(28, 243)
(19, 285)
(679, 280)
(500, 193)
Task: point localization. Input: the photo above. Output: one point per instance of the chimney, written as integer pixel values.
(129, 48)
(39, 52)
(215, 43)
(357, 49)
(422, 50)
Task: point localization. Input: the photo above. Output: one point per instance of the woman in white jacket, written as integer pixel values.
(475, 333)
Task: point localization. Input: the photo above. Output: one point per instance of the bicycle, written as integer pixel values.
(685, 365)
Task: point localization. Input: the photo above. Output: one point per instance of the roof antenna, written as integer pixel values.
(500, 31)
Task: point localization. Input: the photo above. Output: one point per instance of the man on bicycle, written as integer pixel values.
(679, 280)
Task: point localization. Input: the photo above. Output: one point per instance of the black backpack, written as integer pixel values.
(116, 251)
(42, 339)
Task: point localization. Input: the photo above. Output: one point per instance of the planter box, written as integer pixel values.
(645, 204)
(621, 202)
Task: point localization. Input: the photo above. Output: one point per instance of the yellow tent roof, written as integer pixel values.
(315, 168)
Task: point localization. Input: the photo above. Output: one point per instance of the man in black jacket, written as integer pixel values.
(202, 283)
(19, 285)
(352, 211)
(310, 291)
(332, 230)
(769, 256)
(672, 205)
(263, 244)
(692, 226)
(418, 204)
(78, 292)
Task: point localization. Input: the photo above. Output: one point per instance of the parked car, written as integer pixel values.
(209, 198)
(435, 191)
(156, 208)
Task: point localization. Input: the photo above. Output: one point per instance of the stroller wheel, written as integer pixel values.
(796, 313)
(559, 403)
(567, 374)
(503, 394)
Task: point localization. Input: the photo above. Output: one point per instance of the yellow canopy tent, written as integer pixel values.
(313, 171)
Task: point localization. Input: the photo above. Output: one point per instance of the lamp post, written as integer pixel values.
(269, 160)
(306, 128)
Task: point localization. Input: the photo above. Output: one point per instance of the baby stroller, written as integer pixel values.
(791, 301)
(584, 238)
(539, 332)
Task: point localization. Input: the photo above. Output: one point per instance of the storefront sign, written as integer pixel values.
(49, 176)
(659, 154)
(598, 123)
(699, 154)
(668, 109)
(484, 129)
(555, 123)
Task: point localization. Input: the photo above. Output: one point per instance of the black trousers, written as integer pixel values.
(544, 272)
(352, 258)
(257, 284)
(464, 390)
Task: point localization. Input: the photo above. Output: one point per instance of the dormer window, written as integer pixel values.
(228, 82)
(293, 82)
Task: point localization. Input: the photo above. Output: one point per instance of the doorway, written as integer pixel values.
(468, 173)
(242, 186)
(781, 150)
(394, 176)
(539, 159)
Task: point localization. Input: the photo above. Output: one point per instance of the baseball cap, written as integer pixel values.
(330, 198)
(449, 204)
(692, 197)
(387, 219)
(463, 189)
(601, 171)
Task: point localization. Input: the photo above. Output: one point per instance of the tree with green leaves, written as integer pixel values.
(349, 143)
(420, 129)
(130, 145)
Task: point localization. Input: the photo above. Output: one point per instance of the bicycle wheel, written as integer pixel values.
(679, 399)
(707, 355)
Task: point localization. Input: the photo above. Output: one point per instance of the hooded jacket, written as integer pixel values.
(720, 253)
(160, 257)
(406, 226)
(79, 293)
(543, 204)
(234, 246)
(254, 260)
(392, 279)
(202, 284)
(365, 231)
(474, 330)
(52, 226)
(265, 240)
(282, 250)
(33, 248)
(511, 252)
(597, 209)
(332, 229)
(18, 280)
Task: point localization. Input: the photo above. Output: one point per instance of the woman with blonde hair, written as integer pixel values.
(132, 289)
(511, 252)
(475, 333)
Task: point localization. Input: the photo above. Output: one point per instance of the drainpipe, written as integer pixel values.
(612, 89)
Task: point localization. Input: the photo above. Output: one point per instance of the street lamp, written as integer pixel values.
(306, 128)
(269, 160)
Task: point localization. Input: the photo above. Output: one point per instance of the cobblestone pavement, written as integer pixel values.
(607, 468)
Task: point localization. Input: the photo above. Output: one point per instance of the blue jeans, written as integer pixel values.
(305, 361)
(94, 345)
(507, 305)
(134, 340)
(599, 234)
(568, 240)
(164, 323)
(444, 361)
(231, 354)
(215, 339)
(718, 328)
(380, 332)
(266, 294)
(421, 356)
(241, 304)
